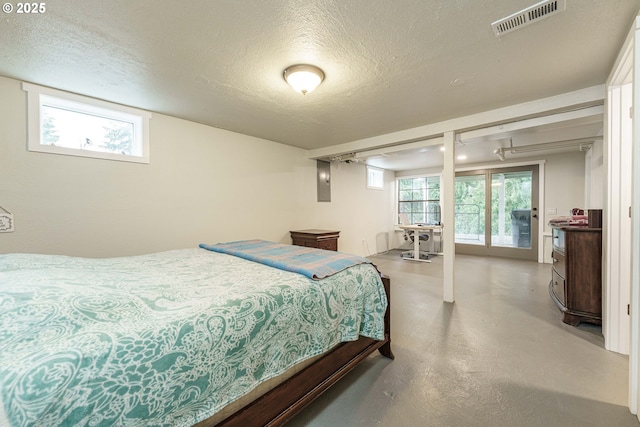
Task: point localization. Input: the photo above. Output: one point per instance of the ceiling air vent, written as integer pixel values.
(528, 16)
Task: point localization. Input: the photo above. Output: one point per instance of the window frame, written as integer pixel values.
(39, 95)
(375, 170)
(427, 201)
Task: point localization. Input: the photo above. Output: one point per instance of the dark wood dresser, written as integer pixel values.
(314, 238)
(576, 276)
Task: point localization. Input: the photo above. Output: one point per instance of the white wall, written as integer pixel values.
(203, 185)
(595, 177)
(363, 216)
(564, 184)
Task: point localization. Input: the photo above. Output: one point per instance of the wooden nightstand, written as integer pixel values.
(313, 238)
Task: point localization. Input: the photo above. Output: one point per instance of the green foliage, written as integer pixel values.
(49, 132)
(419, 198)
(470, 201)
(470, 205)
(517, 196)
(118, 137)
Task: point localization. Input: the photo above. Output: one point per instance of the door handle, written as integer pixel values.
(535, 215)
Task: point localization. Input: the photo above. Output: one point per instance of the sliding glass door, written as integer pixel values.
(496, 212)
(470, 209)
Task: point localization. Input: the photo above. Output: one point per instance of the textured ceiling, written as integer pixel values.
(389, 65)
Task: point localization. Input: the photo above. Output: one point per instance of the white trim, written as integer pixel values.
(39, 95)
(541, 210)
(616, 243)
(397, 190)
(29, 87)
(588, 176)
(418, 175)
(635, 228)
(616, 238)
(617, 227)
(501, 165)
(375, 169)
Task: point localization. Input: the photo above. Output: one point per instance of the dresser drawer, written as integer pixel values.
(558, 286)
(315, 238)
(559, 263)
(329, 245)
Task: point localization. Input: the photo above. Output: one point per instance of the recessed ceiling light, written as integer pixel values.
(462, 157)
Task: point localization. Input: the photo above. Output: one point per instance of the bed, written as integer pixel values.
(242, 333)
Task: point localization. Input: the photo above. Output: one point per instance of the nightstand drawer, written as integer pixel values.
(558, 287)
(559, 263)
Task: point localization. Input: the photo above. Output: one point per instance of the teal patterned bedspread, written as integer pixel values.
(163, 339)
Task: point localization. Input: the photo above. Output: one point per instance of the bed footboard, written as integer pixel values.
(279, 405)
(385, 349)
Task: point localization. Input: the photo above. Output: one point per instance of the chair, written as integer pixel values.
(410, 235)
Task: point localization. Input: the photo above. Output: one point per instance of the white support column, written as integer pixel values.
(501, 211)
(448, 214)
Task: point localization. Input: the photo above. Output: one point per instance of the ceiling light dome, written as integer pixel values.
(303, 78)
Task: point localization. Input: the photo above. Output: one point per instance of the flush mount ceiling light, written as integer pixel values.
(303, 78)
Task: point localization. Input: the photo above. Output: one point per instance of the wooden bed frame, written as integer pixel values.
(279, 405)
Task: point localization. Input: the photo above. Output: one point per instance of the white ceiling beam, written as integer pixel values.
(583, 116)
(396, 148)
(581, 98)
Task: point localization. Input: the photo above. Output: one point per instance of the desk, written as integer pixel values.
(417, 229)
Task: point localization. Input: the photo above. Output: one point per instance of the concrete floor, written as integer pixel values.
(499, 356)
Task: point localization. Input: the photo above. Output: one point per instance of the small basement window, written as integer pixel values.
(375, 178)
(75, 125)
